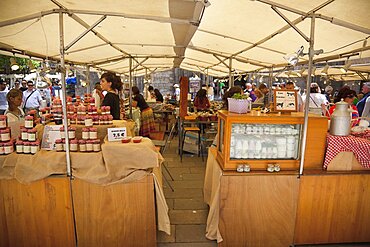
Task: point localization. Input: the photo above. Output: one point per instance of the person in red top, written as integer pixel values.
(348, 96)
(201, 102)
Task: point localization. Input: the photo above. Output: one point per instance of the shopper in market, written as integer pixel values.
(23, 86)
(318, 101)
(112, 84)
(264, 89)
(147, 117)
(361, 104)
(31, 98)
(14, 112)
(201, 102)
(158, 95)
(250, 91)
(97, 94)
(348, 96)
(3, 93)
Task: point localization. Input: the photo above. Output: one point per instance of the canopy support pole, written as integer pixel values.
(63, 79)
(231, 77)
(207, 81)
(130, 85)
(88, 85)
(311, 53)
(270, 84)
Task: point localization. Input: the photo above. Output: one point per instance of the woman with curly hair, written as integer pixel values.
(147, 117)
(201, 102)
(112, 84)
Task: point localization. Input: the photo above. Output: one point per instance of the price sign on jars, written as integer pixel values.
(116, 134)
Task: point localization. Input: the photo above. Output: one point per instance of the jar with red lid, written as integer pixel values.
(59, 145)
(64, 144)
(8, 147)
(85, 133)
(2, 148)
(71, 132)
(32, 135)
(19, 146)
(95, 120)
(28, 123)
(82, 145)
(73, 145)
(34, 146)
(102, 109)
(92, 101)
(26, 148)
(5, 135)
(69, 100)
(110, 119)
(105, 120)
(101, 119)
(24, 134)
(93, 134)
(73, 119)
(62, 134)
(96, 145)
(89, 145)
(3, 121)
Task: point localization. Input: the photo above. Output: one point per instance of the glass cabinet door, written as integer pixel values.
(221, 136)
(264, 141)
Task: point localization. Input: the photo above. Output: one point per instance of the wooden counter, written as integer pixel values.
(115, 215)
(38, 214)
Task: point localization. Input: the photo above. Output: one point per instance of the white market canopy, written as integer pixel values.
(162, 34)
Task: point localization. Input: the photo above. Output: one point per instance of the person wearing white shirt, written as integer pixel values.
(366, 111)
(3, 92)
(318, 101)
(210, 92)
(31, 98)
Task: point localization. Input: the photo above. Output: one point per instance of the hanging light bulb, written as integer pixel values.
(13, 64)
(345, 68)
(325, 70)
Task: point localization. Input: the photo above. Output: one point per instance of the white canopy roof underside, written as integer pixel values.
(162, 34)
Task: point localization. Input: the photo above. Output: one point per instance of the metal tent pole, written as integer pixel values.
(130, 85)
(88, 78)
(63, 78)
(307, 102)
(231, 77)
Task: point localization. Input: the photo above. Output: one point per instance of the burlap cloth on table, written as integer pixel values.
(211, 191)
(116, 163)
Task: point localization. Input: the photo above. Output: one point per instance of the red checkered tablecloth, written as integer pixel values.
(359, 146)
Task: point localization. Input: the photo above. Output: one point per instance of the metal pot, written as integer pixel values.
(340, 123)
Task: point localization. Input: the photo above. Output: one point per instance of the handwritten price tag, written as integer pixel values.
(116, 134)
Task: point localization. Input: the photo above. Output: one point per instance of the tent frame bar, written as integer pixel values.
(85, 32)
(28, 17)
(290, 23)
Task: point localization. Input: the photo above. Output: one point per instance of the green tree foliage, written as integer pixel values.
(22, 62)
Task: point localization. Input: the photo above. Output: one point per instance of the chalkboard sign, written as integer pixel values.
(285, 100)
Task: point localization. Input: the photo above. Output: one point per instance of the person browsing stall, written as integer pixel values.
(147, 116)
(201, 102)
(14, 112)
(3, 93)
(31, 98)
(361, 104)
(158, 95)
(112, 85)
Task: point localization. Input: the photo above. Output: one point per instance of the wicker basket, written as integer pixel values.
(239, 105)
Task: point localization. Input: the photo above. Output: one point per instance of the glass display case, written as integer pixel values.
(258, 139)
(264, 141)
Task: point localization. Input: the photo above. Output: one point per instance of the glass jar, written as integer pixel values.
(5, 134)
(34, 147)
(93, 133)
(89, 146)
(94, 110)
(85, 133)
(3, 121)
(32, 135)
(1, 148)
(8, 148)
(58, 145)
(96, 145)
(110, 119)
(95, 120)
(19, 147)
(62, 134)
(107, 109)
(102, 109)
(24, 134)
(28, 123)
(101, 119)
(73, 145)
(82, 145)
(92, 101)
(26, 148)
(71, 132)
